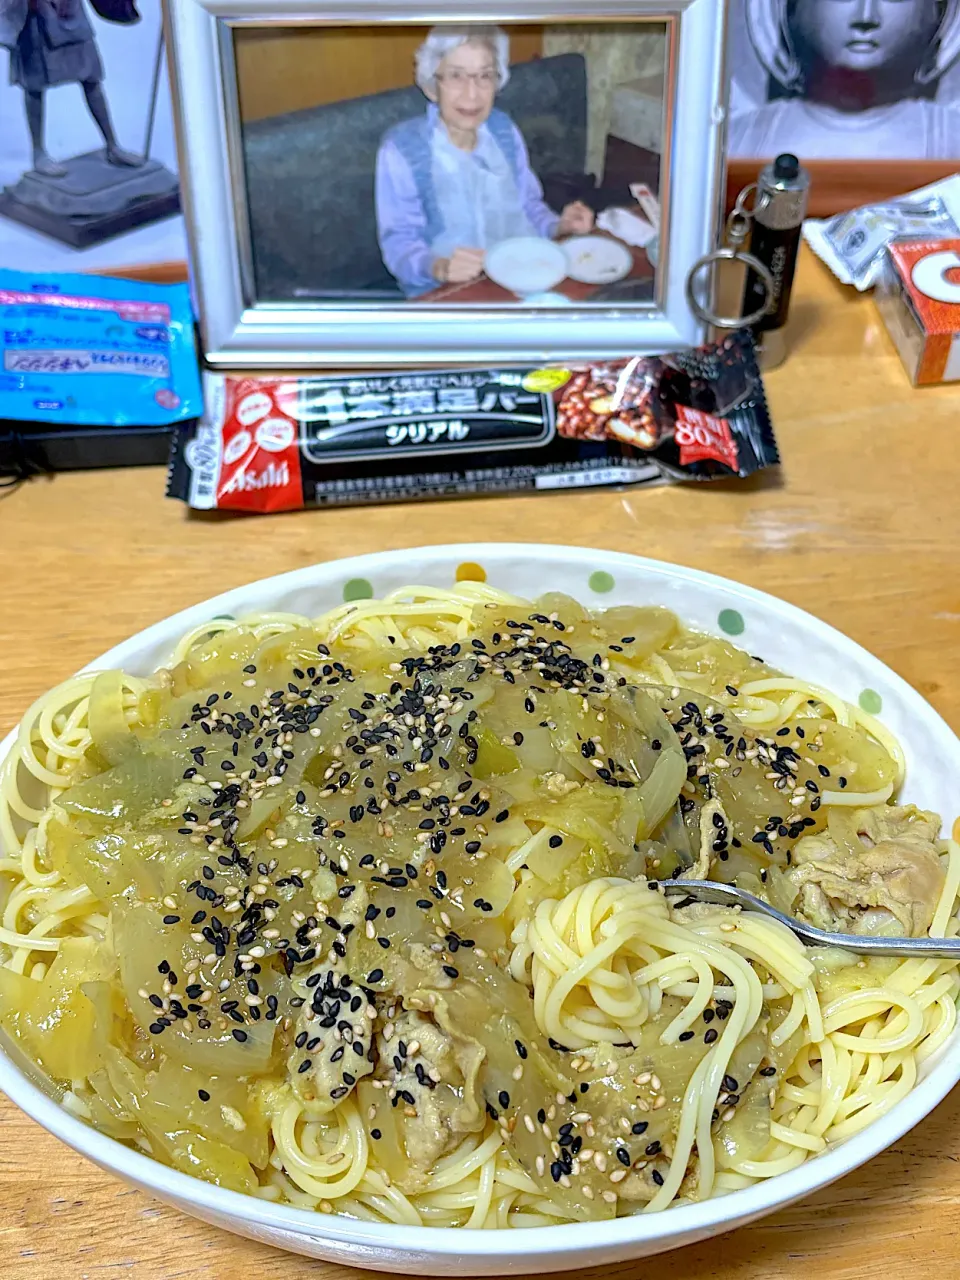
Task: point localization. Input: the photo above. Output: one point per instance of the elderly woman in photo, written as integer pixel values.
(855, 79)
(455, 181)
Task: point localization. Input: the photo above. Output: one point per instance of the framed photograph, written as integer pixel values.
(865, 92)
(376, 184)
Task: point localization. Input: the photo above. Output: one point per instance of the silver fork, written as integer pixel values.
(728, 895)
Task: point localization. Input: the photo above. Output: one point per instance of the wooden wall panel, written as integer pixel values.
(838, 185)
(290, 69)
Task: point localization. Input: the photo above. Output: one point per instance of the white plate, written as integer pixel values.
(549, 299)
(526, 264)
(597, 259)
(785, 636)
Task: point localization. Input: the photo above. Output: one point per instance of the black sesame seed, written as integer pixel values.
(203, 1095)
(710, 1036)
(239, 1035)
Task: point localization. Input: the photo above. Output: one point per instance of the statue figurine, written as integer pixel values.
(52, 42)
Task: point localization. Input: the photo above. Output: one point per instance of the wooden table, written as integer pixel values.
(862, 528)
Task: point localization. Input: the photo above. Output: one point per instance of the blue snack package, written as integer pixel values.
(92, 351)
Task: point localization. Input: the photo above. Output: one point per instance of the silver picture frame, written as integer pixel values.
(238, 330)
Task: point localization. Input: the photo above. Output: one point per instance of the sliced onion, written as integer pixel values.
(107, 720)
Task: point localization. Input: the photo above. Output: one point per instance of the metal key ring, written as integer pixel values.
(730, 254)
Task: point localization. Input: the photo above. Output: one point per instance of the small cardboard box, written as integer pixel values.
(918, 296)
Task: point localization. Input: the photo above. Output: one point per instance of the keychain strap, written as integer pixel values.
(737, 229)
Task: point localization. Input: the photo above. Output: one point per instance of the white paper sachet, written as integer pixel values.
(853, 244)
(627, 226)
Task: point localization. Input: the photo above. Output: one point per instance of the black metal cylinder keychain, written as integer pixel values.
(782, 191)
(738, 225)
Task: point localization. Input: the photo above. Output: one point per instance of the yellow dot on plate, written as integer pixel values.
(470, 572)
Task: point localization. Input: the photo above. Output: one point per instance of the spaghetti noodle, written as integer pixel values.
(361, 913)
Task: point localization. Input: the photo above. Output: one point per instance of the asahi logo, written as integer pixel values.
(271, 477)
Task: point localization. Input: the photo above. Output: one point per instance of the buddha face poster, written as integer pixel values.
(845, 79)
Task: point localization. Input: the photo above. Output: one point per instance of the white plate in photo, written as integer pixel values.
(597, 259)
(789, 639)
(526, 264)
(548, 299)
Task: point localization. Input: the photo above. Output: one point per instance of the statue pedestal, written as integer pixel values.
(93, 201)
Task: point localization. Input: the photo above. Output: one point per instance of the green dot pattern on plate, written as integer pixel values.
(870, 701)
(601, 581)
(731, 622)
(357, 589)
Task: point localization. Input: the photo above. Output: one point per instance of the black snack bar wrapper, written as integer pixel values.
(284, 443)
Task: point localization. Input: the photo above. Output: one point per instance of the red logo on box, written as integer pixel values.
(930, 271)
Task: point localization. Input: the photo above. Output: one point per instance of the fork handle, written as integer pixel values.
(728, 895)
